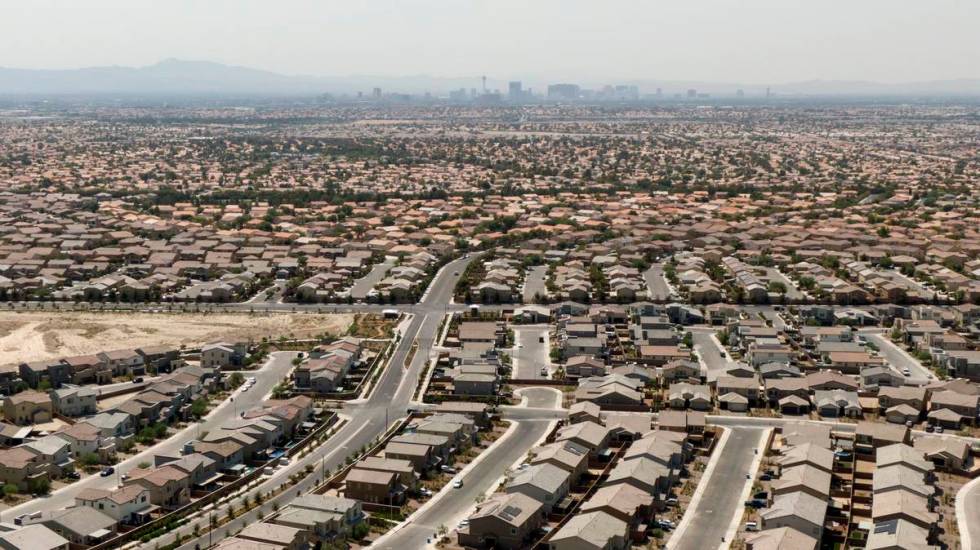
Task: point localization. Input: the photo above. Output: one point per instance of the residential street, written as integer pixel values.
(710, 352)
(448, 507)
(721, 499)
(388, 402)
(530, 354)
(362, 286)
(657, 283)
(534, 283)
(898, 358)
(271, 373)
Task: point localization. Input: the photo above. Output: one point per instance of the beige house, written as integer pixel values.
(28, 407)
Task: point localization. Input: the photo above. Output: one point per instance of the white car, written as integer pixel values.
(458, 483)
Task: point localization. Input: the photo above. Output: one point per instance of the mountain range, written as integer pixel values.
(176, 77)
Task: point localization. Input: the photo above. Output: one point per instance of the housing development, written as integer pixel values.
(588, 322)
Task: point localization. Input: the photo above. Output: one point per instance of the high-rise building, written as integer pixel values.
(739, 93)
(376, 93)
(692, 93)
(563, 91)
(515, 91)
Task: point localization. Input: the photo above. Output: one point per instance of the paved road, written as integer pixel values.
(792, 291)
(530, 354)
(968, 514)
(657, 283)
(898, 358)
(368, 419)
(710, 353)
(534, 283)
(271, 373)
(448, 507)
(359, 290)
(721, 500)
(277, 288)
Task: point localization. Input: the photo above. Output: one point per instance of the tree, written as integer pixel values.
(236, 379)
(90, 459)
(40, 486)
(199, 407)
(777, 286)
(9, 490)
(360, 531)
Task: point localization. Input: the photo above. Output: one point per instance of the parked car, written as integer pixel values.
(138, 380)
(458, 483)
(106, 472)
(751, 526)
(672, 501)
(72, 475)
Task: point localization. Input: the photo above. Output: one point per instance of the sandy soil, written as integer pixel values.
(34, 336)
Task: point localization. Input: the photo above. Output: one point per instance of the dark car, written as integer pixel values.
(108, 472)
(72, 475)
(138, 380)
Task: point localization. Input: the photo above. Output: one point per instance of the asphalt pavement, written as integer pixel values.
(531, 352)
(722, 491)
(534, 283)
(359, 290)
(449, 506)
(710, 352)
(657, 283)
(367, 419)
(270, 374)
(898, 358)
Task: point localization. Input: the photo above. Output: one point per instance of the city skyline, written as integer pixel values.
(759, 43)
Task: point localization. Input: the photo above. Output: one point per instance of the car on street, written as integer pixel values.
(458, 483)
(106, 472)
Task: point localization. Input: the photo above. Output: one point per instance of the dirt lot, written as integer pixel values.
(33, 336)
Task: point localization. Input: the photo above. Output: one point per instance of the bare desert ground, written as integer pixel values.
(34, 336)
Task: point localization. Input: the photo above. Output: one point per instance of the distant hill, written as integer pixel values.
(174, 77)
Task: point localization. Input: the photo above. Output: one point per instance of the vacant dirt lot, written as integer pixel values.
(34, 336)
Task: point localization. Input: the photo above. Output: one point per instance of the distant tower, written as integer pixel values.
(514, 91)
(376, 93)
(484, 78)
(739, 93)
(692, 92)
(768, 93)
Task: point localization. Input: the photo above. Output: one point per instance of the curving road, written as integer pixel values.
(367, 419)
(450, 505)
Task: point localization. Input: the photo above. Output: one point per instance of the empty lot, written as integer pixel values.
(34, 336)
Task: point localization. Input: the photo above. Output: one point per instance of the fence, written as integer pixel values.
(211, 497)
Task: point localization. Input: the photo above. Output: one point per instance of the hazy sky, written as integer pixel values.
(752, 41)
